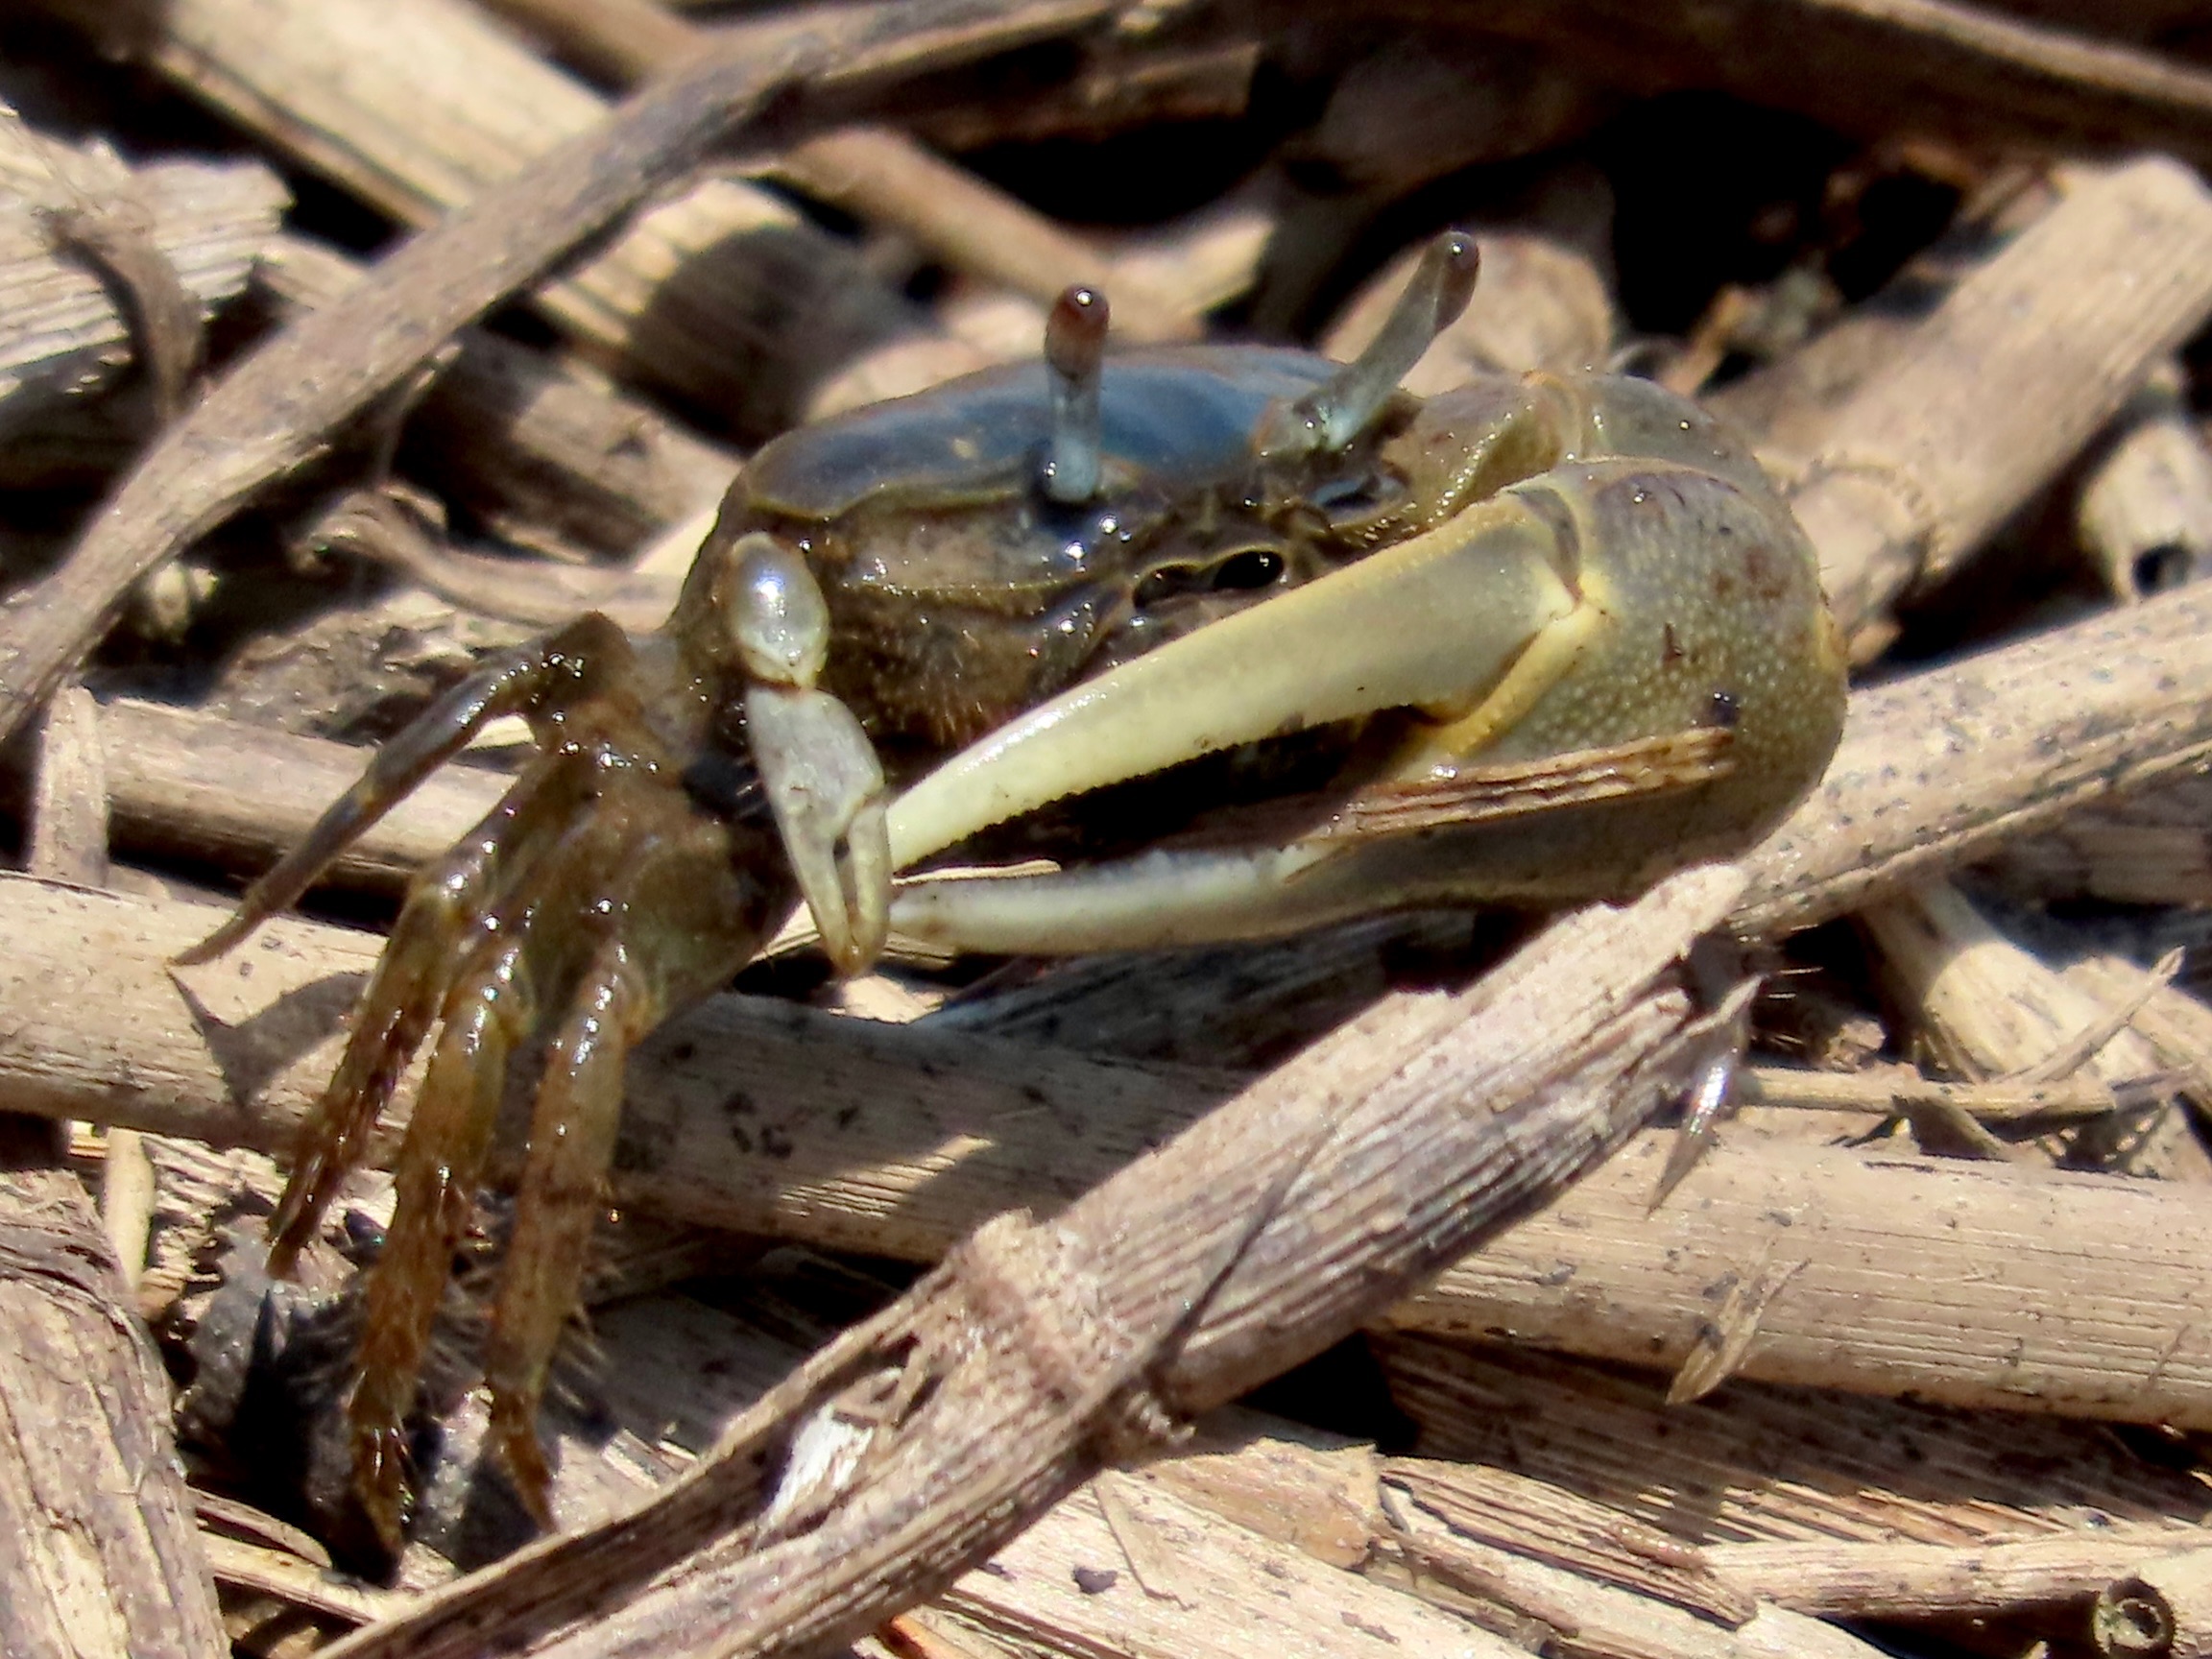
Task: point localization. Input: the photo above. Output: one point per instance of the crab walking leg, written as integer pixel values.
(448, 1141)
(1474, 616)
(445, 906)
(572, 1133)
(524, 682)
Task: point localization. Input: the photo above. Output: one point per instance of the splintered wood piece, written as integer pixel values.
(2144, 512)
(1988, 1007)
(1766, 1462)
(534, 446)
(1600, 1620)
(1922, 1582)
(1986, 399)
(102, 1558)
(2162, 1609)
(63, 335)
(281, 402)
(419, 105)
(1037, 1353)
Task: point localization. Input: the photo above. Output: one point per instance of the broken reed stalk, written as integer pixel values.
(1986, 399)
(877, 174)
(284, 401)
(1039, 1352)
(1877, 67)
(102, 1558)
(755, 1117)
(109, 1562)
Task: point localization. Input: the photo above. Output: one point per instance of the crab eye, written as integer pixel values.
(776, 617)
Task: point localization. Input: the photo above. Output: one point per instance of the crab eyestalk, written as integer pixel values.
(1074, 355)
(1331, 416)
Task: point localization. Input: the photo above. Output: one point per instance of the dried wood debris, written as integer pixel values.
(346, 343)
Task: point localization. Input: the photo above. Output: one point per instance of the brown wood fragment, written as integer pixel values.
(1989, 1008)
(1878, 66)
(1038, 1353)
(2100, 1312)
(1834, 1579)
(2004, 382)
(2144, 512)
(102, 1558)
(1770, 1462)
(1600, 1620)
(2162, 1610)
(711, 295)
(64, 333)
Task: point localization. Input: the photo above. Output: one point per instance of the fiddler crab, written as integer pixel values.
(1533, 640)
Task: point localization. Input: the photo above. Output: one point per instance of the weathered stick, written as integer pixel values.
(62, 333)
(724, 294)
(2019, 367)
(876, 173)
(1878, 66)
(102, 1557)
(530, 445)
(1838, 1580)
(273, 411)
(1763, 1461)
(1038, 1351)
(756, 1117)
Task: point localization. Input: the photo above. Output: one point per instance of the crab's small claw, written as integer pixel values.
(827, 789)
(823, 779)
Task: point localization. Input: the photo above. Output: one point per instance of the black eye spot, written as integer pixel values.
(1723, 710)
(1247, 571)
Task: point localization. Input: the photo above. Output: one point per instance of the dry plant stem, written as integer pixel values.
(722, 295)
(898, 1140)
(527, 443)
(1876, 67)
(881, 175)
(1989, 1008)
(2162, 1610)
(1039, 1352)
(1766, 1462)
(878, 173)
(1848, 1272)
(102, 1558)
(1836, 1579)
(62, 332)
(2019, 367)
(1887, 1090)
(1205, 1590)
(1944, 766)
(2144, 513)
(1569, 1613)
(278, 406)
